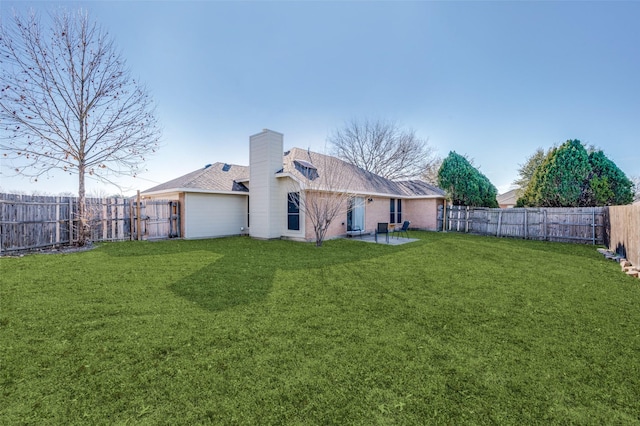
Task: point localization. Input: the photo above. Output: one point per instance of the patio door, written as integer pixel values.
(355, 214)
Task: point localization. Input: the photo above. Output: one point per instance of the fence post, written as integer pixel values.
(57, 220)
(444, 216)
(131, 219)
(138, 218)
(70, 220)
(105, 223)
(499, 223)
(593, 226)
(526, 225)
(466, 220)
(114, 218)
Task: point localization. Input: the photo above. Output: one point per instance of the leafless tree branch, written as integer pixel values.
(383, 148)
(323, 196)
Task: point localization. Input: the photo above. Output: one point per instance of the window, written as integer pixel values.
(395, 210)
(307, 169)
(392, 210)
(355, 214)
(293, 211)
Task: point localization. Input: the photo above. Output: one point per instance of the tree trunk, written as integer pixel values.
(83, 227)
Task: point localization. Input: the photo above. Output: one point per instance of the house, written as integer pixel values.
(509, 199)
(263, 200)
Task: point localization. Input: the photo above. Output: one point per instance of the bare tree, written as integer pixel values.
(526, 170)
(68, 102)
(430, 173)
(636, 185)
(383, 148)
(322, 184)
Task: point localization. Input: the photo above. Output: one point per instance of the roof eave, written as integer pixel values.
(378, 194)
(194, 190)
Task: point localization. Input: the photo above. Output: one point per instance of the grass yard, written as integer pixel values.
(453, 329)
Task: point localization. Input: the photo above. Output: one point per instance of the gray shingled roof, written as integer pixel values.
(212, 178)
(357, 179)
(298, 161)
(420, 187)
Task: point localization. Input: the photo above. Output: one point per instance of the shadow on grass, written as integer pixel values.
(244, 273)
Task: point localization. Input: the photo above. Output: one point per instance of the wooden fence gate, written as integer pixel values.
(30, 222)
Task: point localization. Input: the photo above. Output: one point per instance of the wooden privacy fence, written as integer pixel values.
(29, 222)
(585, 224)
(623, 234)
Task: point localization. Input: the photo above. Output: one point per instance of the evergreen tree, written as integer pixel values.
(559, 180)
(465, 185)
(608, 185)
(569, 176)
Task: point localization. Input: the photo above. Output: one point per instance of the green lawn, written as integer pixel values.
(452, 329)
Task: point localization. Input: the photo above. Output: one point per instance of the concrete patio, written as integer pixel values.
(382, 239)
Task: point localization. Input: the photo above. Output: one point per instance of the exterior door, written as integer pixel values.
(355, 214)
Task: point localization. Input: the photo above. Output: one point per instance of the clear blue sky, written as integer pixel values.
(492, 80)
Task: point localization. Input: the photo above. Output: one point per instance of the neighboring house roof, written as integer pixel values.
(216, 177)
(302, 163)
(509, 198)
